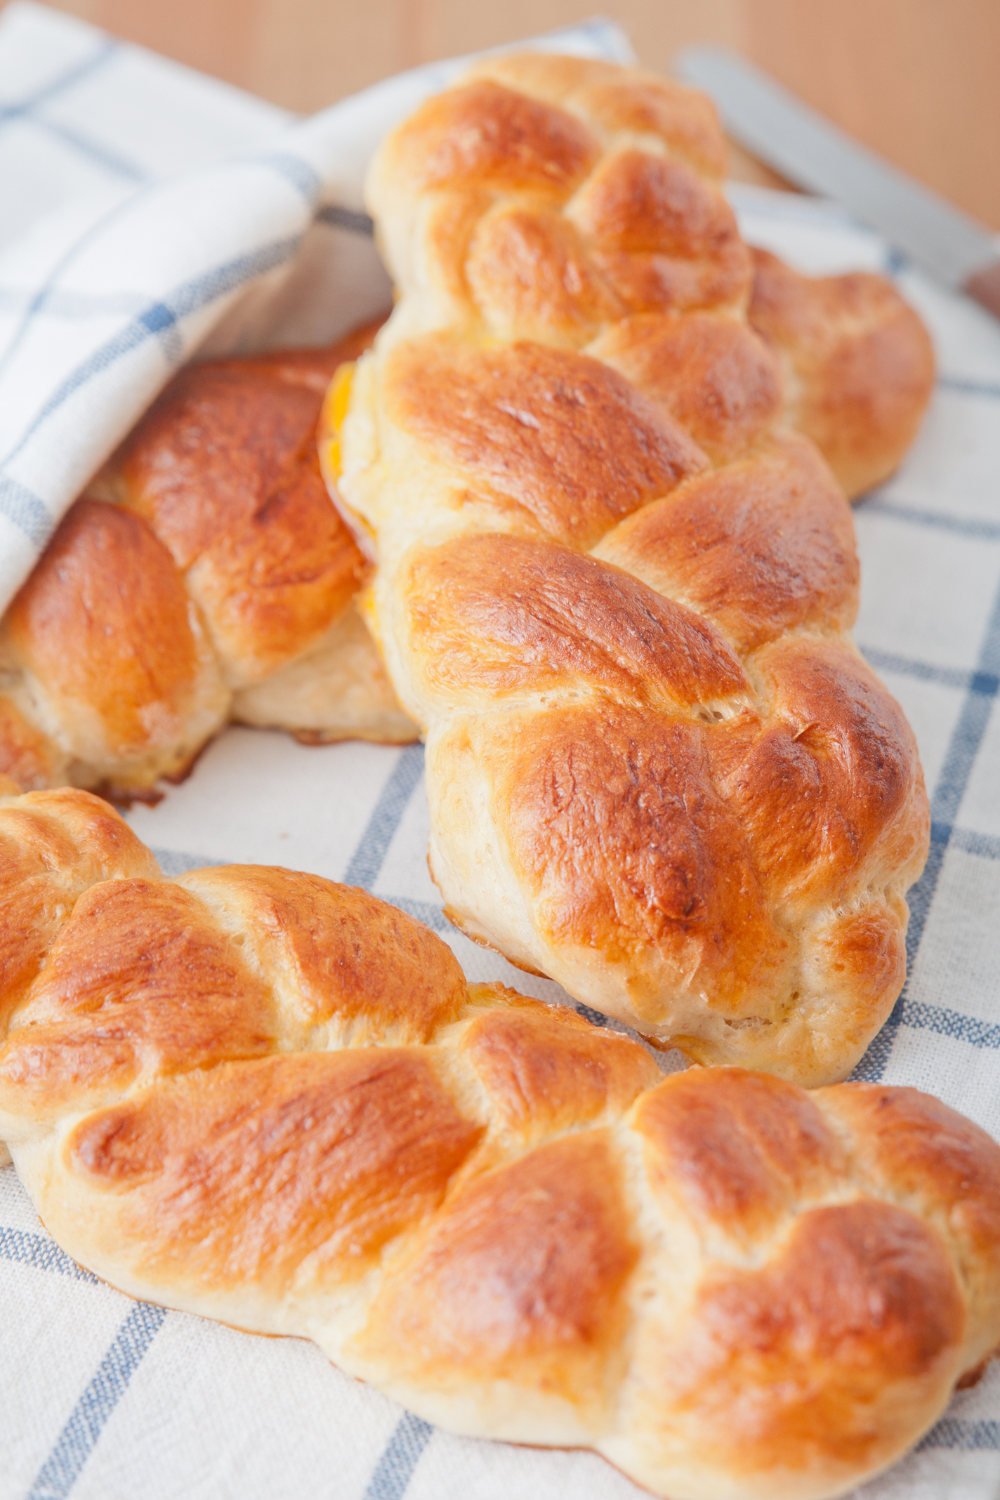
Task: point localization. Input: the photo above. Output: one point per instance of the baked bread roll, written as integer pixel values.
(614, 588)
(273, 1100)
(857, 365)
(219, 588)
(205, 577)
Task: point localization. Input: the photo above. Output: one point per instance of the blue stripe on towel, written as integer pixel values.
(40, 1252)
(423, 911)
(936, 1018)
(951, 1432)
(373, 846)
(188, 297)
(984, 845)
(102, 54)
(985, 531)
(394, 1469)
(40, 300)
(88, 1418)
(95, 151)
(26, 511)
(959, 385)
(966, 739)
(905, 666)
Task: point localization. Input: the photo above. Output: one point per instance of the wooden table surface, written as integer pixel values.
(919, 80)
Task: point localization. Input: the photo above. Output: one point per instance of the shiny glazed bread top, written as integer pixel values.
(204, 564)
(614, 586)
(269, 1099)
(226, 592)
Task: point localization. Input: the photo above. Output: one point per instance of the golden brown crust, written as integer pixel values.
(658, 774)
(547, 1068)
(928, 1150)
(863, 953)
(865, 1294)
(683, 119)
(761, 546)
(113, 681)
(942, 1164)
(33, 904)
(522, 1280)
(325, 1156)
(105, 1005)
(270, 591)
(861, 365)
(53, 845)
(828, 776)
(515, 1225)
(105, 620)
(224, 469)
(108, 635)
(212, 448)
(710, 373)
(500, 614)
(207, 558)
(531, 276)
(739, 1149)
(338, 953)
(566, 438)
(627, 849)
(637, 202)
(663, 239)
(486, 135)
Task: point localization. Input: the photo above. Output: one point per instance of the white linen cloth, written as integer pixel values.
(106, 283)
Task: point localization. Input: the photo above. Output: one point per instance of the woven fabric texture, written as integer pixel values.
(106, 1399)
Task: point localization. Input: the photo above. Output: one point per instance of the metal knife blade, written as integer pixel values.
(809, 150)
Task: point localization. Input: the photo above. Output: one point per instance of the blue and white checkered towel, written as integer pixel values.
(106, 282)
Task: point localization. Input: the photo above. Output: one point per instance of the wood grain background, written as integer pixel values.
(919, 80)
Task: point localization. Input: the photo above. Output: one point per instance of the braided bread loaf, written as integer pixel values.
(204, 577)
(275, 1101)
(613, 590)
